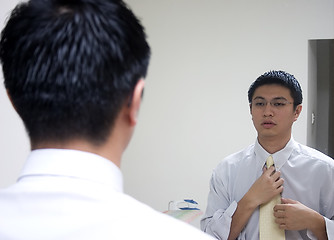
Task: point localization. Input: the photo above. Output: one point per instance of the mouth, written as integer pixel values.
(268, 124)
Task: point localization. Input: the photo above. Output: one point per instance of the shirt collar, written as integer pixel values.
(75, 164)
(279, 157)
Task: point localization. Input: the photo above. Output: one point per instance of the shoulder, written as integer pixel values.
(313, 155)
(113, 215)
(230, 164)
(237, 158)
(151, 224)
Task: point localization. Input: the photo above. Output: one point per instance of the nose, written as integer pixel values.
(268, 110)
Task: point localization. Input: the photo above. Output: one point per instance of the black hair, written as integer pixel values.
(281, 78)
(70, 65)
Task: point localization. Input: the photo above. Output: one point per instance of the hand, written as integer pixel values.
(265, 187)
(293, 215)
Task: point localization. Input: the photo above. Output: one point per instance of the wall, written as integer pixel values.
(195, 109)
(14, 144)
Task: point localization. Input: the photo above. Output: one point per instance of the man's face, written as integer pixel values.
(273, 112)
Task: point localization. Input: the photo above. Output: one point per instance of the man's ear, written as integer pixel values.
(134, 104)
(298, 111)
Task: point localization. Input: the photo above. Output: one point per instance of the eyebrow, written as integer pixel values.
(258, 97)
(275, 98)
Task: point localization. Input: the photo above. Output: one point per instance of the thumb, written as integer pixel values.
(287, 201)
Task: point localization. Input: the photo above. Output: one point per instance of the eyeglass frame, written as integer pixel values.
(271, 102)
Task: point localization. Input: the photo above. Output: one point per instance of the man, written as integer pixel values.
(74, 72)
(241, 184)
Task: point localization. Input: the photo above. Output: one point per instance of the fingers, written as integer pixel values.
(275, 176)
(279, 189)
(270, 184)
(272, 172)
(279, 211)
(269, 171)
(279, 217)
(279, 183)
(288, 201)
(285, 204)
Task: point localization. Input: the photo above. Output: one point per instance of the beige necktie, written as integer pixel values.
(269, 230)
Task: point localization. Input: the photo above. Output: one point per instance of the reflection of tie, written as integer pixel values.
(269, 230)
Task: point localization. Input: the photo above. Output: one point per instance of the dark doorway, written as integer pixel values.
(320, 119)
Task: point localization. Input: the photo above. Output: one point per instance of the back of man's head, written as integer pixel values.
(70, 65)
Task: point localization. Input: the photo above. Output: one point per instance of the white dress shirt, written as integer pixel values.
(69, 194)
(308, 178)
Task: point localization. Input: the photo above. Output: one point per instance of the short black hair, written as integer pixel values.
(70, 65)
(281, 78)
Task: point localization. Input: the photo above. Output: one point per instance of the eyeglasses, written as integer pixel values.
(275, 103)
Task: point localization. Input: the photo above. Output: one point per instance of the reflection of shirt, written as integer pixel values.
(308, 178)
(68, 194)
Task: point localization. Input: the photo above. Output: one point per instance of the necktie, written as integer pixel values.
(269, 230)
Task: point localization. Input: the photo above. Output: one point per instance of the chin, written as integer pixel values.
(267, 134)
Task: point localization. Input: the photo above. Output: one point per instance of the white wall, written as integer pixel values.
(195, 109)
(14, 144)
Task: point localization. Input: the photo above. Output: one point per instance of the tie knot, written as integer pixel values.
(270, 161)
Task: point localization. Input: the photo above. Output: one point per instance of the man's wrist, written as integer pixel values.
(317, 225)
(248, 202)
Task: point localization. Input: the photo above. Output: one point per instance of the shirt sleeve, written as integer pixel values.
(218, 216)
(329, 217)
(328, 213)
(330, 228)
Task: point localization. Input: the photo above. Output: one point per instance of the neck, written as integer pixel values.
(107, 151)
(112, 149)
(273, 145)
